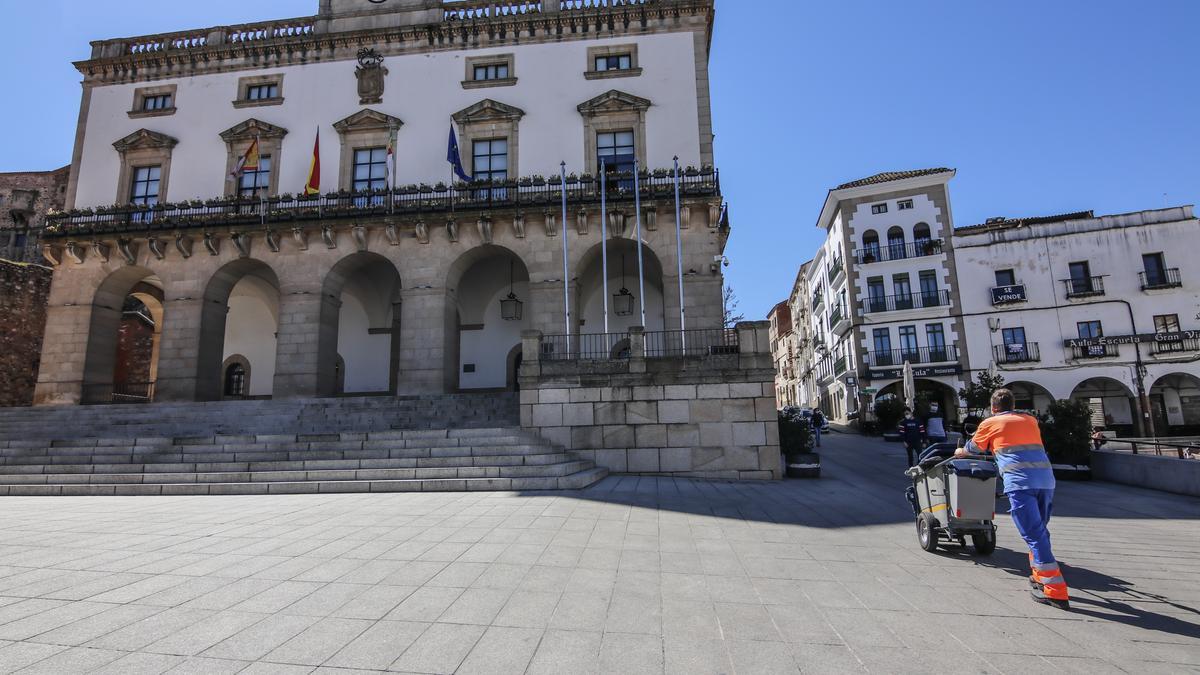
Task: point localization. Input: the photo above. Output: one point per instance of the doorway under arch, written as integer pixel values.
(931, 396)
(622, 276)
(240, 317)
(1030, 396)
(1113, 404)
(359, 344)
(1175, 404)
(491, 308)
(124, 335)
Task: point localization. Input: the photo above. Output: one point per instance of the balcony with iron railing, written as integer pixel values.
(897, 251)
(1172, 347)
(839, 320)
(915, 356)
(1160, 279)
(529, 195)
(655, 345)
(817, 301)
(835, 270)
(1104, 351)
(1084, 287)
(900, 303)
(1027, 352)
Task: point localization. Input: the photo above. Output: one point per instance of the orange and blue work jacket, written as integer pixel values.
(1016, 441)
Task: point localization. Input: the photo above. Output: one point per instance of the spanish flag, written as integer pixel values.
(313, 186)
(249, 160)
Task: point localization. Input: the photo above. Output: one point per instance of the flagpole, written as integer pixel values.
(679, 260)
(392, 175)
(637, 205)
(562, 188)
(604, 237)
(262, 209)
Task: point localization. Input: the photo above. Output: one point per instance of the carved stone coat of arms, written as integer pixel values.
(370, 73)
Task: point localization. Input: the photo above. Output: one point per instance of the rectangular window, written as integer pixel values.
(883, 347)
(1014, 336)
(1016, 349)
(259, 92)
(616, 150)
(1166, 323)
(929, 289)
(935, 339)
(878, 208)
(157, 102)
(491, 71)
(144, 187)
(614, 62)
(1156, 269)
(1090, 329)
(370, 169)
(908, 343)
(491, 159)
(903, 291)
(1081, 277)
(904, 205)
(877, 294)
(256, 182)
(1006, 278)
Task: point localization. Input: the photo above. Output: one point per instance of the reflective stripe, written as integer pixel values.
(936, 507)
(1048, 567)
(1046, 581)
(1056, 591)
(974, 449)
(1021, 466)
(1021, 448)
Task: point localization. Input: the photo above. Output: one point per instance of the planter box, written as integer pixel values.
(804, 465)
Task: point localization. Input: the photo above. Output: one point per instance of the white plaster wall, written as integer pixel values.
(592, 301)
(367, 357)
(250, 328)
(423, 90)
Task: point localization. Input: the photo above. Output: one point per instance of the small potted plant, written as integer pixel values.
(796, 442)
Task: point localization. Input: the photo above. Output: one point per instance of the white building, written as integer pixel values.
(1102, 308)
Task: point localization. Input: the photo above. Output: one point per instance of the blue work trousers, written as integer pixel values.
(1031, 514)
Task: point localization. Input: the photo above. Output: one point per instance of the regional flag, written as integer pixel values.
(249, 161)
(313, 186)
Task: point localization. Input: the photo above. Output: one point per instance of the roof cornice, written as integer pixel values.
(837, 196)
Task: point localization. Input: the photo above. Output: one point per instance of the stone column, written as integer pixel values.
(637, 349)
(428, 325)
(179, 351)
(64, 348)
(300, 331)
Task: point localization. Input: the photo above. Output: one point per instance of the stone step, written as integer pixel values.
(573, 481)
(426, 457)
(267, 444)
(293, 476)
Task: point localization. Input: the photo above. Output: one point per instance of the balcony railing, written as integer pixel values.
(1017, 353)
(587, 346)
(817, 301)
(916, 249)
(836, 269)
(897, 357)
(898, 303)
(533, 195)
(836, 315)
(1084, 287)
(1176, 346)
(703, 342)
(1095, 352)
(1168, 278)
(839, 365)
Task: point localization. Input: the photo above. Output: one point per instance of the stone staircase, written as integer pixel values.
(353, 444)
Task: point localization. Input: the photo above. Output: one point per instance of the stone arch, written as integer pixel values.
(921, 232)
(254, 327)
(1030, 396)
(104, 329)
(514, 367)
(929, 392)
(587, 303)
(360, 326)
(241, 362)
(870, 246)
(1175, 404)
(1113, 403)
(478, 338)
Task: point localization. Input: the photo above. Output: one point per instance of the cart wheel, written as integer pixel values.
(985, 542)
(927, 532)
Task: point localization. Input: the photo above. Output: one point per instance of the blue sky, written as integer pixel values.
(1043, 107)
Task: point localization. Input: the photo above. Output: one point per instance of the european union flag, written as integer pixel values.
(455, 159)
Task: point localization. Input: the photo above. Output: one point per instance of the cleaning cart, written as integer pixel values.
(954, 499)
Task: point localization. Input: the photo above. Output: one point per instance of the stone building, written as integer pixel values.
(25, 198)
(783, 353)
(1099, 308)
(24, 288)
(883, 293)
(391, 278)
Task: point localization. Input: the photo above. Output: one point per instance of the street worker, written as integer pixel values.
(1016, 441)
(912, 432)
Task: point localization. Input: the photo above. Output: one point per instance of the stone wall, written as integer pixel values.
(23, 292)
(25, 197)
(1169, 474)
(701, 417)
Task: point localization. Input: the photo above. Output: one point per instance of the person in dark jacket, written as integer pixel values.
(912, 432)
(818, 422)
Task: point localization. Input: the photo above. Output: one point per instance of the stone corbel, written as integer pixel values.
(484, 224)
(272, 237)
(519, 225)
(452, 229)
(422, 231)
(392, 235)
(616, 223)
(183, 244)
(52, 254)
(650, 218)
(156, 247)
(360, 237)
(685, 217)
(581, 222)
(100, 249)
(128, 250)
(75, 252)
(551, 223)
(301, 238)
(329, 236)
(241, 242)
(212, 243)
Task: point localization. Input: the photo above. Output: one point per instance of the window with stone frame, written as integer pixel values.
(256, 182)
(238, 139)
(615, 128)
(613, 61)
(494, 70)
(154, 101)
(143, 189)
(617, 150)
(259, 90)
(158, 102)
(370, 169)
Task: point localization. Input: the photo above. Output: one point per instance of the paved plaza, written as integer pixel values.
(633, 575)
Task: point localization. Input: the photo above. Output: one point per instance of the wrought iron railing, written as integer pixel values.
(917, 355)
(880, 253)
(1175, 346)
(119, 392)
(1095, 351)
(586, 346)
(1083, 287)
(534, 194)
(702, 342)
(835, 269)
(897, 303)
(836, 315)
(1167, 278)
(1027, 352)
(817, 301)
